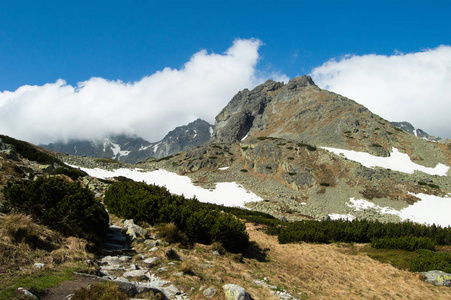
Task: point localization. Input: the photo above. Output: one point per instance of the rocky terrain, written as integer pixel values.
(132, 149)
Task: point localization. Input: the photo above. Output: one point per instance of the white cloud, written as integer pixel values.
(149, 107)
(414, 87)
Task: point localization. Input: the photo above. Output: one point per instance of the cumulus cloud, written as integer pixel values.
(149, 107)
(414, 87)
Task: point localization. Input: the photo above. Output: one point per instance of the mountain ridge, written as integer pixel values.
(132, 148)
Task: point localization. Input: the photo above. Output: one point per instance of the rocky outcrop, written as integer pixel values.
(243, 112)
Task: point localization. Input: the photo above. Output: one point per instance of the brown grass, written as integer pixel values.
(307, 271)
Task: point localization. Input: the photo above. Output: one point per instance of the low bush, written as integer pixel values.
(199, 221)
(30, 152)
(409, 243)
(427, 260)
(61, 205)
(359, 231)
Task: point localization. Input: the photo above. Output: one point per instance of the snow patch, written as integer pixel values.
(116, 148)
(342, 217)
(155, 148)
(396, 161)
(361, 204)
(429, 210)
(224, 168)
(211, 130)
(142, 148)
(225, 193)
(245, 137)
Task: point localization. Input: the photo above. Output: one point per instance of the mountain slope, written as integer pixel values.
(283, 141)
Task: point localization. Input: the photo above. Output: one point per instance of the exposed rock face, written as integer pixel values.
(133, 149)
(242, 112)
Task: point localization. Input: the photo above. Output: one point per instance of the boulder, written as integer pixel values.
(235, 292)
(209, 292)
(151, 261)
(437, 277)
(134, 273)
(133, 230)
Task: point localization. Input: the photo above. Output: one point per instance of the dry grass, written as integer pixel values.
(306, 271)
(24, 243)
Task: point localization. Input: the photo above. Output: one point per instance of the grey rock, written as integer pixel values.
(235, 292)
(170, 291)
(209, 292)
(133, 230)
(151, 243)
(134, 273)
(178, 274)
(437, 277)
(151, 261)
(111, 260)
(39, 266)
(27, 293)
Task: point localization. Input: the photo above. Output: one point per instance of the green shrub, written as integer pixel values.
(30, 152)
(243, 170)
(200, 222)
(324, 184)
(64, 206)
(427, 260)
(359, 231)
(409, 243)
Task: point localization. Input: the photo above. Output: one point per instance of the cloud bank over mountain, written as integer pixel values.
(149, 107)
(414, 87)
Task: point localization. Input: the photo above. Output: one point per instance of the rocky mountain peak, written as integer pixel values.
(300, 82)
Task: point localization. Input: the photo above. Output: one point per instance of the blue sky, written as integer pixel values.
(43, 41)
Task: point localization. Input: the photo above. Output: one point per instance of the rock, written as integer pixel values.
(210, 292)
(153, 249)
(151, 243)
(437, 277)
(170, 291)
(133, 230)
(172, 254)
(151, 261)
(27, 293)
(39, 266)
(178, 274)
(216, 253)
(235, 292)
(134, 273)
(111, 260)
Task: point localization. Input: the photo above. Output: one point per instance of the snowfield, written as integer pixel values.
(396, 161)
(225, 193)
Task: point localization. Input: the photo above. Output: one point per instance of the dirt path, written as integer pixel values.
(69, 287)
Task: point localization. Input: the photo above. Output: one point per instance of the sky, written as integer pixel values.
(87, 69)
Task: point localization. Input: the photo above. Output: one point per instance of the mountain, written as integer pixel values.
(415, 131)
(311, 153)
(132, 149)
